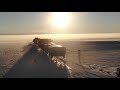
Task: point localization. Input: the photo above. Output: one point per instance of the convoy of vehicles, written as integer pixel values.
(52, 49)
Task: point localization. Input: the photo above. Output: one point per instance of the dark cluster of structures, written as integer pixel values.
(50, 48)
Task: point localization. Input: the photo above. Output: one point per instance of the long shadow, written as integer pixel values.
(36, 64)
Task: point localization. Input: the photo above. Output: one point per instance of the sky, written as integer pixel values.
(40, 22)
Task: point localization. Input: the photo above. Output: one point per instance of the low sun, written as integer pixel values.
(60, 19)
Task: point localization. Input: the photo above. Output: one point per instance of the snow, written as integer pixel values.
(94, 63)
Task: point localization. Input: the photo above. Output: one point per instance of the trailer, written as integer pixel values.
(42, 42)
(56, 50)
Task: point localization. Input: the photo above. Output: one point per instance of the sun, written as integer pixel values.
(60, 19)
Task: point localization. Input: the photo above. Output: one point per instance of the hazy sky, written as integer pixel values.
(39, 22)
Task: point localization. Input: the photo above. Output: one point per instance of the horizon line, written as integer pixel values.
(56, 33)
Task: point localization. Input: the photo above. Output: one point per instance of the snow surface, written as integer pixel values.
(15, 53)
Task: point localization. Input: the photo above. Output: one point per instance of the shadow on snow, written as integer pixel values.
(36, 64)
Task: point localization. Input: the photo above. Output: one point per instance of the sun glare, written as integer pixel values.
(60, 19)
